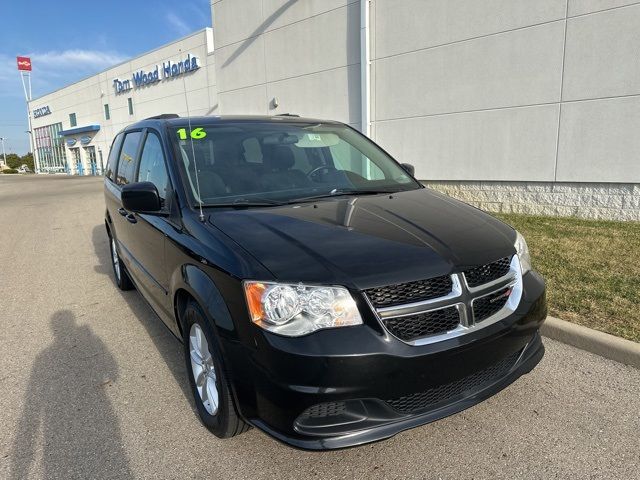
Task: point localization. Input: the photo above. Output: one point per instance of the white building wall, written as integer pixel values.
(303, 53)
(514, 105)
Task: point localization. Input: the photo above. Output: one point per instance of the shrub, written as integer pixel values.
(9, 170)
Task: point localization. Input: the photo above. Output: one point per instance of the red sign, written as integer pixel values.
(24, 63)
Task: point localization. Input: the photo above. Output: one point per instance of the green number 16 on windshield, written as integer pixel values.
(196, 133)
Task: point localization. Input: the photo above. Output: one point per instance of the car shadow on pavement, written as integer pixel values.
(67, 411)
(165, 342)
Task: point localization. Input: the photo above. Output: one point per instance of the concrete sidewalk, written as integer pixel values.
(594, 341)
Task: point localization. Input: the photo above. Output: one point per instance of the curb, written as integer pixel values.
(603, 344)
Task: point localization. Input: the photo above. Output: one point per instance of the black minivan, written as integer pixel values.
(322, 294)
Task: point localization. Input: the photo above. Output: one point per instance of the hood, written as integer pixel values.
(368, 241)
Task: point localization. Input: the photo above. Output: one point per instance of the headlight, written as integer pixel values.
(523, 253)
(295, 310)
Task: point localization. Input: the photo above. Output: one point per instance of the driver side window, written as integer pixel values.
(152, 165)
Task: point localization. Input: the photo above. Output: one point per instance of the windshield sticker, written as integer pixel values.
(197, 133)
(318, 140)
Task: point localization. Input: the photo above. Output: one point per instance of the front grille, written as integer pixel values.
(419, 291)
(322, 410)
(422, 324)
(476, 276)
(491, 304)
(450, 392)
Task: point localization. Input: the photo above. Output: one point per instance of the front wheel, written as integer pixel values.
(207, 377)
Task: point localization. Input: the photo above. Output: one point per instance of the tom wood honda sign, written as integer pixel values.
(168, 70)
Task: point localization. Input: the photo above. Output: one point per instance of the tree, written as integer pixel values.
(13, 160)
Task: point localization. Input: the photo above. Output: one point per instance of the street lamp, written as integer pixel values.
(4, 154)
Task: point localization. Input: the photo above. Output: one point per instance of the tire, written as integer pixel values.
(119, 270)
(215, 407)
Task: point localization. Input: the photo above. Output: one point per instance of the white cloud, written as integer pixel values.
(51, 70)
(8, 67)
(178, 24)
(79, 59)
(57, 63)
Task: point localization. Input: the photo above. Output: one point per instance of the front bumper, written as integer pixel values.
(345, 387)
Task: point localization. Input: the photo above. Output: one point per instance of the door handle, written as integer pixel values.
(122, 211)
(131, 218)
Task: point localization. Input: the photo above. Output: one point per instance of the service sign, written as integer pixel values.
(24, 63)
(42, 111)
(168, 70)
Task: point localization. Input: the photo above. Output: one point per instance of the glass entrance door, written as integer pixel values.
(78, 161)
(91, 157)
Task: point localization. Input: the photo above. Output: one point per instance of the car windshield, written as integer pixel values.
(269, 163)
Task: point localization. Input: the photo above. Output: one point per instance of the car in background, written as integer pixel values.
(322, 294)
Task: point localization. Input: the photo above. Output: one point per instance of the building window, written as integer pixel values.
(72, 119)
(107, 115)
(50, 148)
(130, 102)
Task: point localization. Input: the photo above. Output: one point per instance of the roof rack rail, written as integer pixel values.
(287, 115)
(163, 116)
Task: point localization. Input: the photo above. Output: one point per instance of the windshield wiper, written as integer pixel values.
(246, 202)
(336, 192)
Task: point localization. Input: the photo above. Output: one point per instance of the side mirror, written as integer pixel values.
(410, 169)
(141, 197)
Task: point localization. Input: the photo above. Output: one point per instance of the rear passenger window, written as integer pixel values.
(127, 163)
(152, 167)
(112, 162)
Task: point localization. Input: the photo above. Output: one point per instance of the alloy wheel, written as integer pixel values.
(115, 259)
(203, 368)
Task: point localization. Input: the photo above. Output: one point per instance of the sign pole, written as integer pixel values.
(36, 163)
(24, 67)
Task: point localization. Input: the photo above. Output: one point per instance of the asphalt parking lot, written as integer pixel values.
(93, 386)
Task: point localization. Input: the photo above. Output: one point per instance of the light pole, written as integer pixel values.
(4, 154)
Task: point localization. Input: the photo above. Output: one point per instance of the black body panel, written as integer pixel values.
(412, 235)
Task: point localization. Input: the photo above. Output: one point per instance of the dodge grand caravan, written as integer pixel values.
(322, 294)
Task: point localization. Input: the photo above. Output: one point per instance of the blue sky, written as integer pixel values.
(73, 39)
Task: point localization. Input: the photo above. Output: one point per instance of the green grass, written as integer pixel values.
(591, 267)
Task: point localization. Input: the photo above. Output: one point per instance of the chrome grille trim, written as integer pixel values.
(400, 329)
(500, 282)
(508, 285)
(462, 297)
(487, 270)
(409, 292)
(425, 305)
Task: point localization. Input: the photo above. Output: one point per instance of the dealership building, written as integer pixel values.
(73, 127)
(513, 106)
